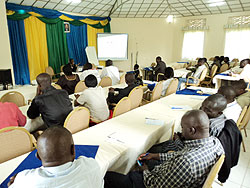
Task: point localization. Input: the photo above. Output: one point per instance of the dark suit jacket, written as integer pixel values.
(160, 68)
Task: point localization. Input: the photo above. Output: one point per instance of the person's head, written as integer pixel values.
(67, 70)
(136, 67)
(226, 59)
(195, 125)
(169, 72)
(201, 61)
(43, 80)
(205, 59)
(87, 66)
(109, 63)
(214, 105)
(221, 58)
(244, 62)
(228, 92)
(216, 58)
(130, 78)
(239, 87)
(71, 61)
(158, 59)
(91, 81)
(55, 147)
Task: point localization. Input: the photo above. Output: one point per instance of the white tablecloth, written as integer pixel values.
(217, 79)
(181, 72)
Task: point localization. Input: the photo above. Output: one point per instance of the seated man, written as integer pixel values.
(233, 109)
(72, 65)
(200, 67)
(55, 148)
(188, 167)
(130, 81)
(10, 115)
(160, 67)
(243, 96)
(112, 72)
(53, 104)
(87, 70)
(169, 76)
(216, 62)
(245, 74)
(94, 99)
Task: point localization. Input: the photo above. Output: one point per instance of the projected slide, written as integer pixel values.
(112, 46)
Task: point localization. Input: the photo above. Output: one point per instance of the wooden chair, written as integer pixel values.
(213, 172)
(61, 68)
(56, 86)
(49, 70)
(124, 105)
(224, 67)
(160, 77)
(248, 87)
(80, 87)
(235, 60)
(77, 120)
(135, 97)
(122, 79)
(15, 141)
(208, 79)
(14, 97)
(105, 82)
(198, 80)
(151, 96)
(211, 59)
(172, 87)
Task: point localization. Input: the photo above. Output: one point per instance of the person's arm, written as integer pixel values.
(21, 119)
(104, 72)
(60, 81)
(33, 111)
(80, 99)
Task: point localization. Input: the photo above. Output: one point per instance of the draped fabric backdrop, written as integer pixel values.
(19, 52)
(77, 42)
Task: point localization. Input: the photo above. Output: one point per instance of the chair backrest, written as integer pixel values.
(213, 172)
(245, 118)
(49, 70)
(248, 87)
(203, 74)
(15, 141)
(211, 58)
(160, 77)
(105, 82)
(213, 71)
(15, 97)
(80, 87)
(135, 97)
(224, 67)
(172, 87)
(61, 68)
(56, 86)
(124, 105)
(156, 94)
(77, 120)
(242, 114)
(122, 79)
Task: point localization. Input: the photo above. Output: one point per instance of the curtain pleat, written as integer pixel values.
(35, 31)
(19, 52)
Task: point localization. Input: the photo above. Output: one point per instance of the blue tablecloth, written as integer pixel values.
(190, 92)
(31, 161)
(151, 87)
(224, 74)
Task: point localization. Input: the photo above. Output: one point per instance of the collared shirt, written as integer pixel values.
(232, 111)
(112, 72)
(186, 168)
(245, 74)
(244, 99)
(10, 115)
(94, 99)
(216, 125)
(165, 86)
(198, 71)
(83, 172)
(88, 72)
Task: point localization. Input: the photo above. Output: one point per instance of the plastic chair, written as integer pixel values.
(77, 120)
(172, 87)
(105, 82)
(56, 86)
(198, 80)
(160, 77)
(14, 97)
(209, 78)
(151, 96)
(80, 87)
(124, 105)
(15, 141)
(49, 70)
(224, 67)
(122, 79)
(213, 172)
(135, 97)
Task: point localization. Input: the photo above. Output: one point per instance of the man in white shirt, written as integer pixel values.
(94, 99)
(60, 169)
(233, 109)
(112, 72)
(169, 74)
(245, 74)
(88, 69)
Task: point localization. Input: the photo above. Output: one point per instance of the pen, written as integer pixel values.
(175, 108)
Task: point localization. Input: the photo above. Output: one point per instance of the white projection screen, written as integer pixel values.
(112, 46)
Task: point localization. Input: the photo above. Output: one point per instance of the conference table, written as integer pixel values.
(224, 76)
(181, 73)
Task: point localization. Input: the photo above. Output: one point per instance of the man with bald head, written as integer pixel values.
(52, 104)
(233, 109)
(243, 96)
(55, 148)
(188, 167)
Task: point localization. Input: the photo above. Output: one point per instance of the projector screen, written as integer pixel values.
(112, 46)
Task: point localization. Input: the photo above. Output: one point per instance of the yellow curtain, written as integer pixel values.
(92, 38)
(36, 39)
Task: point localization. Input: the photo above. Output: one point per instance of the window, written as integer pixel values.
(193, 43)
(237, 43)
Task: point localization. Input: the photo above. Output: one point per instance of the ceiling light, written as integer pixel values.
(170, 19)
(217, 4)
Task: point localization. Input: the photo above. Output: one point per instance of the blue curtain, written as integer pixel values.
(77, 41)
(19, 52)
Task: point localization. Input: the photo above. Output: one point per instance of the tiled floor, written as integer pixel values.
(240, 174)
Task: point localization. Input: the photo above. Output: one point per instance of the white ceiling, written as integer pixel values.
(140, 8)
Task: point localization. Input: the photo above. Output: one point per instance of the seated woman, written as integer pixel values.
(68, 81)
(169, 76)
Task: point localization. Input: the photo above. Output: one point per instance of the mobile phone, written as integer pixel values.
(140, 163)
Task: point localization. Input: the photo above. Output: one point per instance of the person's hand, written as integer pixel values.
(149, 156)
(12, 179)
(176, 136)
(230, 74)
(143, 167)
(112, 90)
(77, 96)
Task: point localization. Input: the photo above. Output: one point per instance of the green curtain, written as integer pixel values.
(57, 45)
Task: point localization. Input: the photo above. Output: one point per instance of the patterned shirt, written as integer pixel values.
(216, 125)
(186, 168)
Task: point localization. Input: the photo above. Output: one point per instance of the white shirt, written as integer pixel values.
(94, 99)
(198, 71)
(165, 86)
(245, 74)
(113, 73)
(88, 72)
(83, 172)
(232, 111)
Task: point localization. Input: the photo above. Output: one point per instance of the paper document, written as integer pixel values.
(151, 121)
(180, 107)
